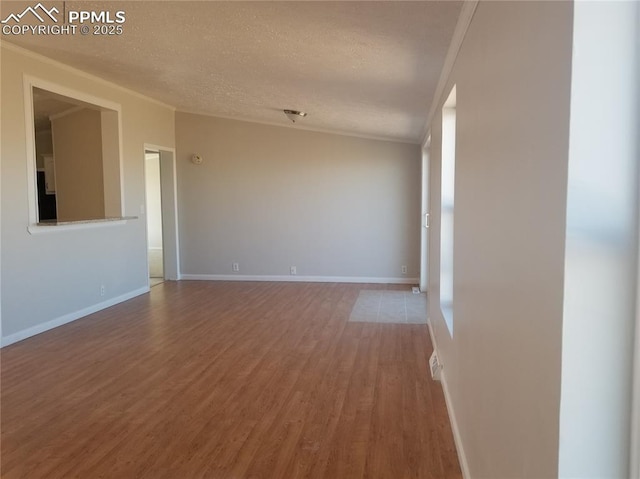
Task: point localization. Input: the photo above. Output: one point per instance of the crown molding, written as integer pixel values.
(301, 127)
(464, 20)
(89, 76)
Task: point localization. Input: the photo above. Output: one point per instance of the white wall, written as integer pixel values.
(601, 249)
(502, 364)
(49, 277)
(271, 197)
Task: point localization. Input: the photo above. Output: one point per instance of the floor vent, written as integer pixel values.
(435, 367)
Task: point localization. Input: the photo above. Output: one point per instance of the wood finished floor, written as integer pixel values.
(229, 381)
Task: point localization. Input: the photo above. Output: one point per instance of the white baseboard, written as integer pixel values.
(67, 318)
(464, 465)
(297, 279)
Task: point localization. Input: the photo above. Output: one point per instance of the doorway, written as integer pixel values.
(153, 191)
(161, 214)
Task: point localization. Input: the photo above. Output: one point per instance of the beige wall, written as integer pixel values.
(77, 151)
(502, 365)
(50, 277)
(111, 163)
(272, 197)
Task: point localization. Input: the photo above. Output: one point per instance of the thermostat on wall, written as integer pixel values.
(196, 159)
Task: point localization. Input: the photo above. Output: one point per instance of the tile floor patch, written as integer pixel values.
(381, 306)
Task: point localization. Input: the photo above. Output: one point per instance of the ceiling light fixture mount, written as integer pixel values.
(294, 115)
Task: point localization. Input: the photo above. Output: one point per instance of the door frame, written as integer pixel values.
(424, 221)
(169, 205)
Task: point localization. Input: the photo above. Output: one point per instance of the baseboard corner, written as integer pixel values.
(69, 317)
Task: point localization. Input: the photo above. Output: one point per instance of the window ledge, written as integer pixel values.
(56, 226)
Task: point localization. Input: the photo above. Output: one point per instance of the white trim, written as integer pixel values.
(67, 318)
(83, 225)
(303, 127)
(297, 279)
(424, 215)
(145, 217)
(29, 83)
(81, 73)
(71, 93)
(30, 132)
(121, 164)
(464, 20)
(457, 438)
(159, 149)
(176, 211)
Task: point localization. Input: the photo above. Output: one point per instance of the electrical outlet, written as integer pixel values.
(404, 269)
(235, 267)
(293, 270)
(103, 290)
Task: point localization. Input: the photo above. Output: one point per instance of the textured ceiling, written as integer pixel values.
(367, 68)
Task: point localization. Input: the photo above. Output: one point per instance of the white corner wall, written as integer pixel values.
(49, 279)
(601, 249)
(270, 197)
(502, 364)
